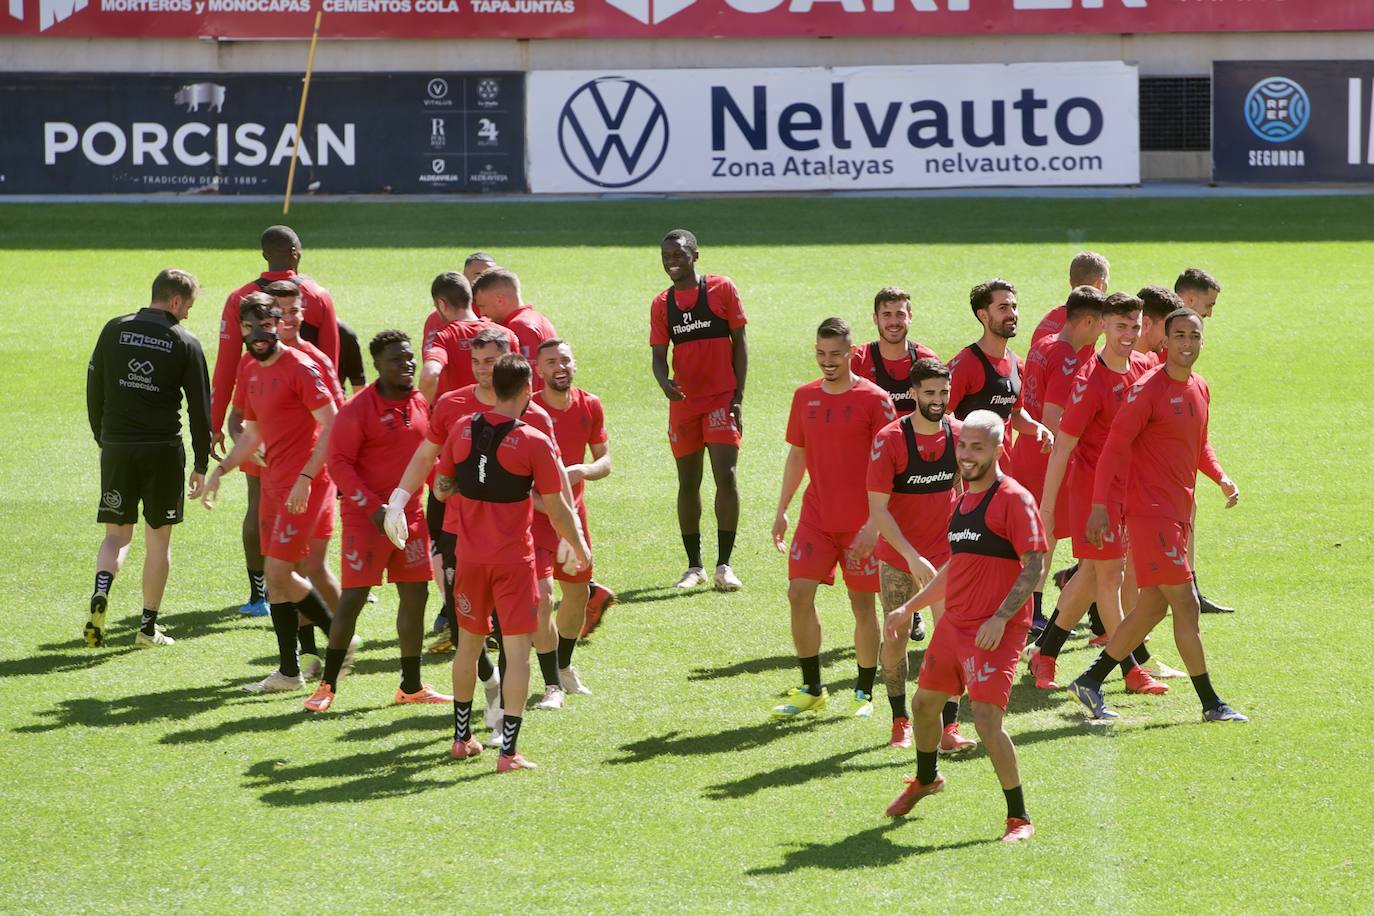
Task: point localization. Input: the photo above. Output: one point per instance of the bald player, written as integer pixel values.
(998, 552)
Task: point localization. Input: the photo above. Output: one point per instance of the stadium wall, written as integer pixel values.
(1158, 55)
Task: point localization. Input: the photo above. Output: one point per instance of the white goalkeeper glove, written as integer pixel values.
(567, 557)
(395, 524)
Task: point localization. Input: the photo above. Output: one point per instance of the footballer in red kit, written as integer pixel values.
(1050, 370)
(1088, 268)
(490, 466)
(700, 318)
(1097, 393)
(579, 427)
(496, 296)
(887, 361)
(913, 481)
(289, 409)
(1159, 438)
(832, 423)
(997, 554)
(373, 437)
(986, 375)
(447, 364)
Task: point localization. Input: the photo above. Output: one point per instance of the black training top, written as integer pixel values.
(350, 365)
(140, 366)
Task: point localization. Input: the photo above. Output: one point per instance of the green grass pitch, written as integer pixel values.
(148, 782)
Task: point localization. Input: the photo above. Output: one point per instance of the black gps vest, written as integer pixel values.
(698, 322)
(897, 389)
(999, 392)
(969, 533)
(480, 476)
(923, 476)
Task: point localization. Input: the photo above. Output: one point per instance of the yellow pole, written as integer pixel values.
(300, 116)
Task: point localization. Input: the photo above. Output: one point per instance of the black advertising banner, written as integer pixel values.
(1291, 121)
(233, 133)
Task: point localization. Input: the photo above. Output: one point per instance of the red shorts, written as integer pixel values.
(1159, 550)
(251, 468)
(545, 559)
(953, 664)
(367, 553)
(697, 421)
(510, 588)
(287, 537)
(815, 554)
(1029, 465)
(1080, 504)
(936, 553)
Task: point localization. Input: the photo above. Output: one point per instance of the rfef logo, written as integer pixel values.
(613, 132)
(1277, 109)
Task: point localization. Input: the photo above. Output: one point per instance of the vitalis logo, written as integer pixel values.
(613, 115)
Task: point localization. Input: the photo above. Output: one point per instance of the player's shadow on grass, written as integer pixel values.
(871, 848)
(797, 774)
(138, 709)
(765, 665)
(184, 626)
(293, 716)
(655, 593)
(418, 766)
(744, 738)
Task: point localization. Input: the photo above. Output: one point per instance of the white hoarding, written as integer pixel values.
(819, 128)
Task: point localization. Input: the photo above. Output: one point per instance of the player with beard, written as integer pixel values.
(986, 375)
(701, 319)
(1199, 290)
(887, 361)
(491, 465)
(1050, 368)
(998, 552)
(281, 249)
(372, 439)
(487, 348)
(579, 426)
(1088, 268)
(288, 407)
(1096, 396)
(832, 423)
(1159, 438)
(912, 486)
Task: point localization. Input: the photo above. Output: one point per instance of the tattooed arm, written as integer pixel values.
(990, 633)
(444, 487)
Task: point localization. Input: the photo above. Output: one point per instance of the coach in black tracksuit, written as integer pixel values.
(141, 366)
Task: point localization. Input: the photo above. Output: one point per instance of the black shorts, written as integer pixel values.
(434, 521)
(154, 475)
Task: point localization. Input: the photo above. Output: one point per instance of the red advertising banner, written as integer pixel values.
(248, 19)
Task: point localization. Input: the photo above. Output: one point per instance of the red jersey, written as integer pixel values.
(492, 532)
(530, 329)
(895, 374)
(703, 352)
(280, 399)
(1094, 399)
(452, 350)
(331, 374)
(1051, 324)
(458, 405)
(923, 517)
(371, 444)
(1159, 436)
(1051, 367)
(582, 424)
(434, 323)
(319, 315)
(978, 579)
(836, 431)
(967, 379)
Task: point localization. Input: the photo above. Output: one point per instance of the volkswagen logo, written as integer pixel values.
(1277, 109)
(613, 132)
